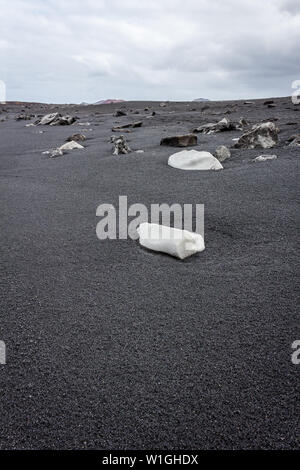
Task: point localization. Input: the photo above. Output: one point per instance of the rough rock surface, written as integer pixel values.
(222, 153)
(224, 125)
(186, 140)
(263, 135)
(120, 145)
(55, 119)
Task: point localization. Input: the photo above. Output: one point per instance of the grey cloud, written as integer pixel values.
(83, 51)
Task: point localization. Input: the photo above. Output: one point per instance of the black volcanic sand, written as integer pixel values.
(111, 346)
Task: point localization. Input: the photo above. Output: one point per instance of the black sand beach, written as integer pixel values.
(110, 346)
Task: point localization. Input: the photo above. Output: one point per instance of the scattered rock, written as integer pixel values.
(121, 129)
(71, 146)
(263, 158)
(120, 145)
(173, 241)
(125, 126)
(53, 153)
(263, 135)
(224, 125)
(194, 160)
(55, 119)
(76, 138)
(163, 105)
(137, 124)
(119, 112)
(295, 142)
(56, 153)
(222, 153)
(24, 117)
(180, 140)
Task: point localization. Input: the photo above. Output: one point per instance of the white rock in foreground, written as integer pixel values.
(173, 241)
(263, 158)
(71, 145)
(194, 160)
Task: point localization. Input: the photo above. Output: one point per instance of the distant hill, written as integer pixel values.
(201, 99)
(109, 101)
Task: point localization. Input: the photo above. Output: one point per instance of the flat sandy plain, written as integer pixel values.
(110, 346)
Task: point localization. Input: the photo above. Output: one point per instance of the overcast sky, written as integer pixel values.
(87, 50)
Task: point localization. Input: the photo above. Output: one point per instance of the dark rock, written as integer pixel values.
(76, 138)
(125, 126)
(268, 102)
(137, 124)
(294, 141)
(119, 112)
(24, 117)
(179, 140)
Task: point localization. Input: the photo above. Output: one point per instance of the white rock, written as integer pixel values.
(56, 153)
(139, 151)
(173, 241)
(194, 160)
(263, 158)
(53, 153)
(71, 145)
(48, 118)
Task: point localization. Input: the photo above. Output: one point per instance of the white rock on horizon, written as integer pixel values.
(173, 241)
(194, 160)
